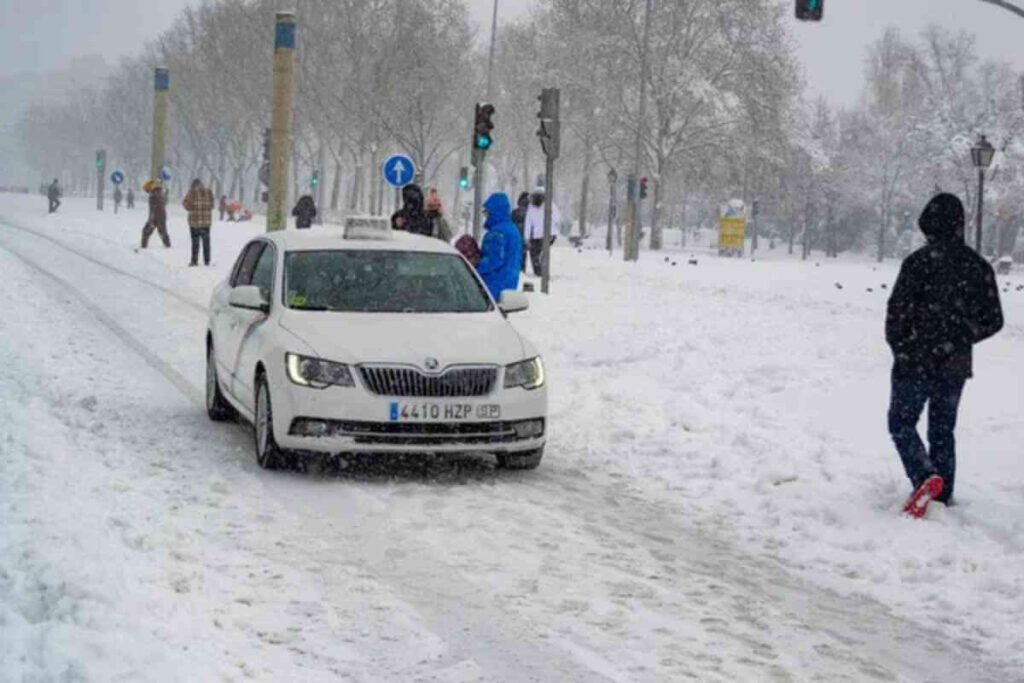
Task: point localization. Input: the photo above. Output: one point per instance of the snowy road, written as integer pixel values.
(142, 542)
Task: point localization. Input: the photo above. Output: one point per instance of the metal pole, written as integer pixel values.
(632, 250)
(321, 160)
(981, 204)
(478, 189)
(101, 176)
(161, 97)
(549, 202)
(281, 120)
(490, 61)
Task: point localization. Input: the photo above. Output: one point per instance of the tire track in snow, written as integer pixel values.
(114, 269)
(173, 376)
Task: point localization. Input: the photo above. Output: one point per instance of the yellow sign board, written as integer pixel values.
(732, 233)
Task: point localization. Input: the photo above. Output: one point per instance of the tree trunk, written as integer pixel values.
(588, 158)
(336, 186)
(656, 236)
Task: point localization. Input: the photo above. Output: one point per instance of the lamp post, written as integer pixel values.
(613, 178)
(981, 154)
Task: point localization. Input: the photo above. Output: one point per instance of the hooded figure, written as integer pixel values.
(945, 300)
(411, 216)
(304, 212)
(501, 254)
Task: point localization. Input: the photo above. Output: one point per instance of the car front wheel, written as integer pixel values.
(529, 460)
(217, 407)
(268, 454)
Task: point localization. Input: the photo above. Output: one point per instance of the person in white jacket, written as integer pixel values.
(533, 229)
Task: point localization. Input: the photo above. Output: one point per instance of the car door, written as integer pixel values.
(251, 342)
(238, 321)
(222, 318)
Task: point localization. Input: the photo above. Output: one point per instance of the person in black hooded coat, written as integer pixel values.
(412, 217)
(304, 212)
(945, 300)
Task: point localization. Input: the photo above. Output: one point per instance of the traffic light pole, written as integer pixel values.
(478, 189)
(101, 175)
(631, 252)
(321, 160)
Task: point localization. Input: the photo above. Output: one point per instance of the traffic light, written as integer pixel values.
(549, 132)
(464, 177)
(315, 180)
(101, 159)
(482, 138)
(810, 10)
(643, 188)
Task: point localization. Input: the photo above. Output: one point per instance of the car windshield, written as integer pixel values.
(382, 282)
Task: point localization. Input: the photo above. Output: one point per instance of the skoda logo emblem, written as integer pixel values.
(432, 364)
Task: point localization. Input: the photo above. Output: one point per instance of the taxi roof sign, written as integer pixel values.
(367, 228)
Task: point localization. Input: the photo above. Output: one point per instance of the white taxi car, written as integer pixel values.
(371, 341)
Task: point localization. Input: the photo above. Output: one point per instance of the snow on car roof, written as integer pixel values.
(334, 238)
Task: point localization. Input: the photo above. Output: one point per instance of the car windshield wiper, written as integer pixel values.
(310, 308)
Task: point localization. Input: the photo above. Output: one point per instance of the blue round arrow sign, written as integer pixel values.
(117, 177)
(165, 173)
(399, 170)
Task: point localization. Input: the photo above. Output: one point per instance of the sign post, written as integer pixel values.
(732, 234)
(398, 170)
(161, 97)
(281, 120)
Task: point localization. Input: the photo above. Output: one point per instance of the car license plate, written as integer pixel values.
(442, 412)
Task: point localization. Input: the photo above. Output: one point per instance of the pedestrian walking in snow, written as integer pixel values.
(435, 214)
(501, 253)
(53, 193)
(304, 212)
(117, 199)
(157, 219)
(411, 217)
(129, 199)
(519, 218)
(534, 229)
(199, 204)
(223, 206)
(945, 300)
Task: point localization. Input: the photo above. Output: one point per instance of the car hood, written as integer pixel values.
(408, 339)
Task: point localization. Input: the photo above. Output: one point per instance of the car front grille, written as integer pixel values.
(405, 381)
(420, 434)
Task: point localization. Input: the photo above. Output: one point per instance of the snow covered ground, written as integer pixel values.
(719, 500)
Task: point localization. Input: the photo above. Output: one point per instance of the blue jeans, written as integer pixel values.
(908, 400)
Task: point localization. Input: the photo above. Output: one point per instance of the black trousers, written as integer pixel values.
(54, 205)
(908, 401)
(200, 235)
(537, 256)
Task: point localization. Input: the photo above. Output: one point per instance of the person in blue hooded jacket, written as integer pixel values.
(501, 254)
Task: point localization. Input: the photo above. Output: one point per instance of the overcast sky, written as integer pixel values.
(47, 34)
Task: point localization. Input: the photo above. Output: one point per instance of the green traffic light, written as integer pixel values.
(483, 142)
(464, 183)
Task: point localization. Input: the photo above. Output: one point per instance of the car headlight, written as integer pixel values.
(528, 374)
(317, 373)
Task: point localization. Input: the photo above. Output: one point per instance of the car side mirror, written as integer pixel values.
(249, 297)
(513, 302)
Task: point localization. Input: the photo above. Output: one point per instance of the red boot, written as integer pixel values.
(917, 505)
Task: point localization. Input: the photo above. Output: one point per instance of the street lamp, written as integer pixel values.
(613, 178)
(981, 154)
